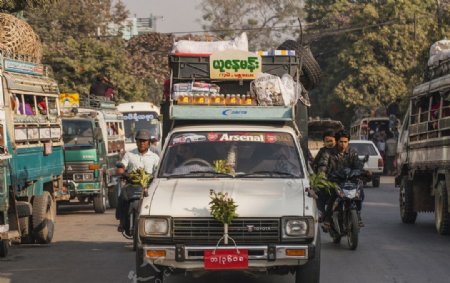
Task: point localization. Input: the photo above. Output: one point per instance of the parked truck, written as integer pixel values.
(423, 154)
(31, 151)
(220, 140)
(94, 141)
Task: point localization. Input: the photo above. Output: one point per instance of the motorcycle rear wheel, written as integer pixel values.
(353, 230)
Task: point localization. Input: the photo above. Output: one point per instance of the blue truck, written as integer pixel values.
(31, 152)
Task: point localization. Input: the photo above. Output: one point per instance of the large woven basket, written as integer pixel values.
(18, 37)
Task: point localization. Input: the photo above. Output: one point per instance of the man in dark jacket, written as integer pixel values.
(320, 164)
(342, 156)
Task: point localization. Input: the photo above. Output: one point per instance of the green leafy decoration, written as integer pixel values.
(220, 166)
(320, 182)
(223, 207)
(140, 177)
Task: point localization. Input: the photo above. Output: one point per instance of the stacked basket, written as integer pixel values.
(17, 37)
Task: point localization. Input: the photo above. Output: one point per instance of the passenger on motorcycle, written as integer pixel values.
(141, 157)
(320, 165)
(341, 156)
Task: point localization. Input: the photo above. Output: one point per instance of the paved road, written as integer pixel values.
(86, 248)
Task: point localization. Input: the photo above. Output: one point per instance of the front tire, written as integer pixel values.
(100, 202)
(353, 230)
(441, 215)
(310, 271)
(376, 182)
(146, 270)
(407, 212)
(4, 248)
(43, 218)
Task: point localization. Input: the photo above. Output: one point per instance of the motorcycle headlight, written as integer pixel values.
(298, 227)
(349, 193)
(154, 227)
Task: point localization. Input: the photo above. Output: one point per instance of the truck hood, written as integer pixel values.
(189, 197)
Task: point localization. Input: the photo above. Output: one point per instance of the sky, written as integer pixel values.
(177, 15)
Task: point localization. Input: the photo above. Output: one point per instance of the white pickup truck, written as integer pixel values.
(276, 227)
(251, 153)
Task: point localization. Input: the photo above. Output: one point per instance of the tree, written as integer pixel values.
(377, 52)
(266, 22)
(15, 6)
(80, 47)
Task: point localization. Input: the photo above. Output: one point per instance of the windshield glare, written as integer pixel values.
(78, 133)
(231, 154)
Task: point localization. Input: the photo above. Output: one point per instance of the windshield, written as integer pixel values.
(77, 133)
(232, 154)
(364, 148)
(135, 121)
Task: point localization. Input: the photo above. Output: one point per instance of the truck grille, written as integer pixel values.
(242, 230)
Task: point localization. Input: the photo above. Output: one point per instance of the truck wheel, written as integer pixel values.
(376, 182)
(43, 218)
(310, 271)
(310, 67)
(353, 231)
(407, 212)
(4, 247)
(152, 273)
(100, 202)
(25, 235)
(441, 215)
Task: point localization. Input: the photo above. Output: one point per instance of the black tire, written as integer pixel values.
(353, 230)
(146, 270)
(113, 196)
(441, 215)
(4, 248)
(310, 67)
(25, 234)
(376, 182)
(100, 201)
(310, 271)
(407, 213)
(43, 218)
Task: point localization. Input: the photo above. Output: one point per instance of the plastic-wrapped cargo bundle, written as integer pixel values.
(208, 47)
(439, 62)
(18, 37)
(272, 90)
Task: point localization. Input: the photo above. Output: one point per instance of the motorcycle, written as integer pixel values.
(130, 196)
(345, 221)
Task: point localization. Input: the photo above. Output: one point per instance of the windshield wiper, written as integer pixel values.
(267, 172)
(197, 173)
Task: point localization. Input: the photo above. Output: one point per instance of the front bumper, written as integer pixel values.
(260, 257)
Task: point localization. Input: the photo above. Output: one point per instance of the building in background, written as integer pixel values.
(134, 26)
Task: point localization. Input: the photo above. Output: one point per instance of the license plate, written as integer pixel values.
(226, 259)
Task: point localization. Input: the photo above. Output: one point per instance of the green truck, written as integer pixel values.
(94, 142)
(31, 152)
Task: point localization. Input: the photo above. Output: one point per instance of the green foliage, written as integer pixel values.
(220, 166)
(15, 6)
(140, 177)
(222, 207)
(378, 53)
(320, 182)
(78, 47)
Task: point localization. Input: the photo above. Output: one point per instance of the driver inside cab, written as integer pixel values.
(188, 161)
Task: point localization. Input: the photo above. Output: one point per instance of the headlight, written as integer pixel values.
(154, 227)
(298, 227)
(78, 177)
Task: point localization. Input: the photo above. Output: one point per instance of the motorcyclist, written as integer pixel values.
(141, 157)
(340, 157)
(329, 142)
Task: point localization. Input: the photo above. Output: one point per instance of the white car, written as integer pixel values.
(375, 163)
